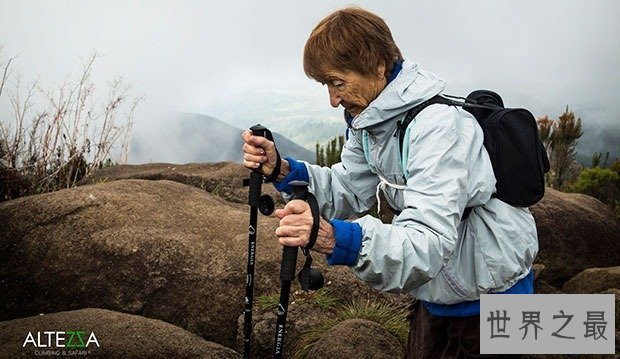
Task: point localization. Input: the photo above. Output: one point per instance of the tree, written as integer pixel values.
(560, 139)
(320, 154)
(57, 136)
(330, 154)
(596, 159)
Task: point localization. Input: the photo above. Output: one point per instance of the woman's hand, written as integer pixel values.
(259, 151)
(296, 224)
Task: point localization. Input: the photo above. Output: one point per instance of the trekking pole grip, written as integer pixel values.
(262, 131)
(300, 190)
(289, 254)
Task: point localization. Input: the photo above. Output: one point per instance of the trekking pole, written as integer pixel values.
(310, 278)
(266, 206)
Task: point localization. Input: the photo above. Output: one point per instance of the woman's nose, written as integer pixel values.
(334, 97)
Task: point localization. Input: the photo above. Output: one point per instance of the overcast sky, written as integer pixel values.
(211, 56)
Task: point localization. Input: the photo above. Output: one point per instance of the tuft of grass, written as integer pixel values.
(324, 299)
(217, 188)
(268, 301)
(102, 180)
(391, 317)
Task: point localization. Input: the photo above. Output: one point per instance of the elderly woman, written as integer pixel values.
(430, 250)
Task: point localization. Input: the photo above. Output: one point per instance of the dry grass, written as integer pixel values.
(391, 317)
(55, 136)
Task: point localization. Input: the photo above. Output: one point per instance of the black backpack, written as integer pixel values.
(511, 138)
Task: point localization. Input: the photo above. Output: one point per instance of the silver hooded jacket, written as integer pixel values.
(427, 251)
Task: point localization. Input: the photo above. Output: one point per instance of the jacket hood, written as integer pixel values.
(410, 88)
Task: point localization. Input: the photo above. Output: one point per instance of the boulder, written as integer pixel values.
(616, 293)
(114, 335)
(357, 338)
(594, 280)
(538, 270)
(575, 232)
(159, 249)
(565, 221)
(542, 287)
(223, 179)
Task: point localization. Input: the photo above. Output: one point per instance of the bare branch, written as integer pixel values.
(70, 135)
(5, 73)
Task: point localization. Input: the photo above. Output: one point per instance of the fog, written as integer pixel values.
(240, 61)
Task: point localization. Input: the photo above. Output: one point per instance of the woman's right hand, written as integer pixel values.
(259, 151)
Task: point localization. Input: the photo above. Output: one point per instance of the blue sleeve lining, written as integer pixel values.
(298, 172)
(348, 243)
(466, 309)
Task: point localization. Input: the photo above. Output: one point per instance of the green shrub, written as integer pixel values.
(601, 183)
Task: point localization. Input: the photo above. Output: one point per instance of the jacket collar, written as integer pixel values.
(410, 87)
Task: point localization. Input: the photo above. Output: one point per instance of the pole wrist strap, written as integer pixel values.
(276, 170)
(316, 219)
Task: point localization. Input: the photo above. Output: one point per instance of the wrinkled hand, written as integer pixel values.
(259, 151)
(296, 224)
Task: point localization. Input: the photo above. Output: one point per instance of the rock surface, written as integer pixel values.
(159, 249)
(357, 338)
(594, 280)
(155, 248)
(167, 250)
(117, 335)
(568, 223)
(223, 179)
(575, 232)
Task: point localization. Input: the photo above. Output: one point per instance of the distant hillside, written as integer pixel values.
(305, 117)
(190, 137)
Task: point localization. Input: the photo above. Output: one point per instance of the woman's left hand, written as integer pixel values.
(296, 224)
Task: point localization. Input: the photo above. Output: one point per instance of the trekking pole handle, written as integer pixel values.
(261, 131)
(300, 190)
(289, 254)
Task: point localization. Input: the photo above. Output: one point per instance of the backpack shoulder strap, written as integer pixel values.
(412, 113)
(402, 131)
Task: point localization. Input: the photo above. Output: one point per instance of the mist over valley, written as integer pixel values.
(195, 138)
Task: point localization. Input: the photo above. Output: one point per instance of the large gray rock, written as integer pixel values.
(567, 223)
(594, 280)
(575, 232)
(159, 249)
(357, 338)
(115, 335)
(156, 248)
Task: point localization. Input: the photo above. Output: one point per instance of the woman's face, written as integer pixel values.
(352, 90)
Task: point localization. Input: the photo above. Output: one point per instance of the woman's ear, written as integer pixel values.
(381, 70)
